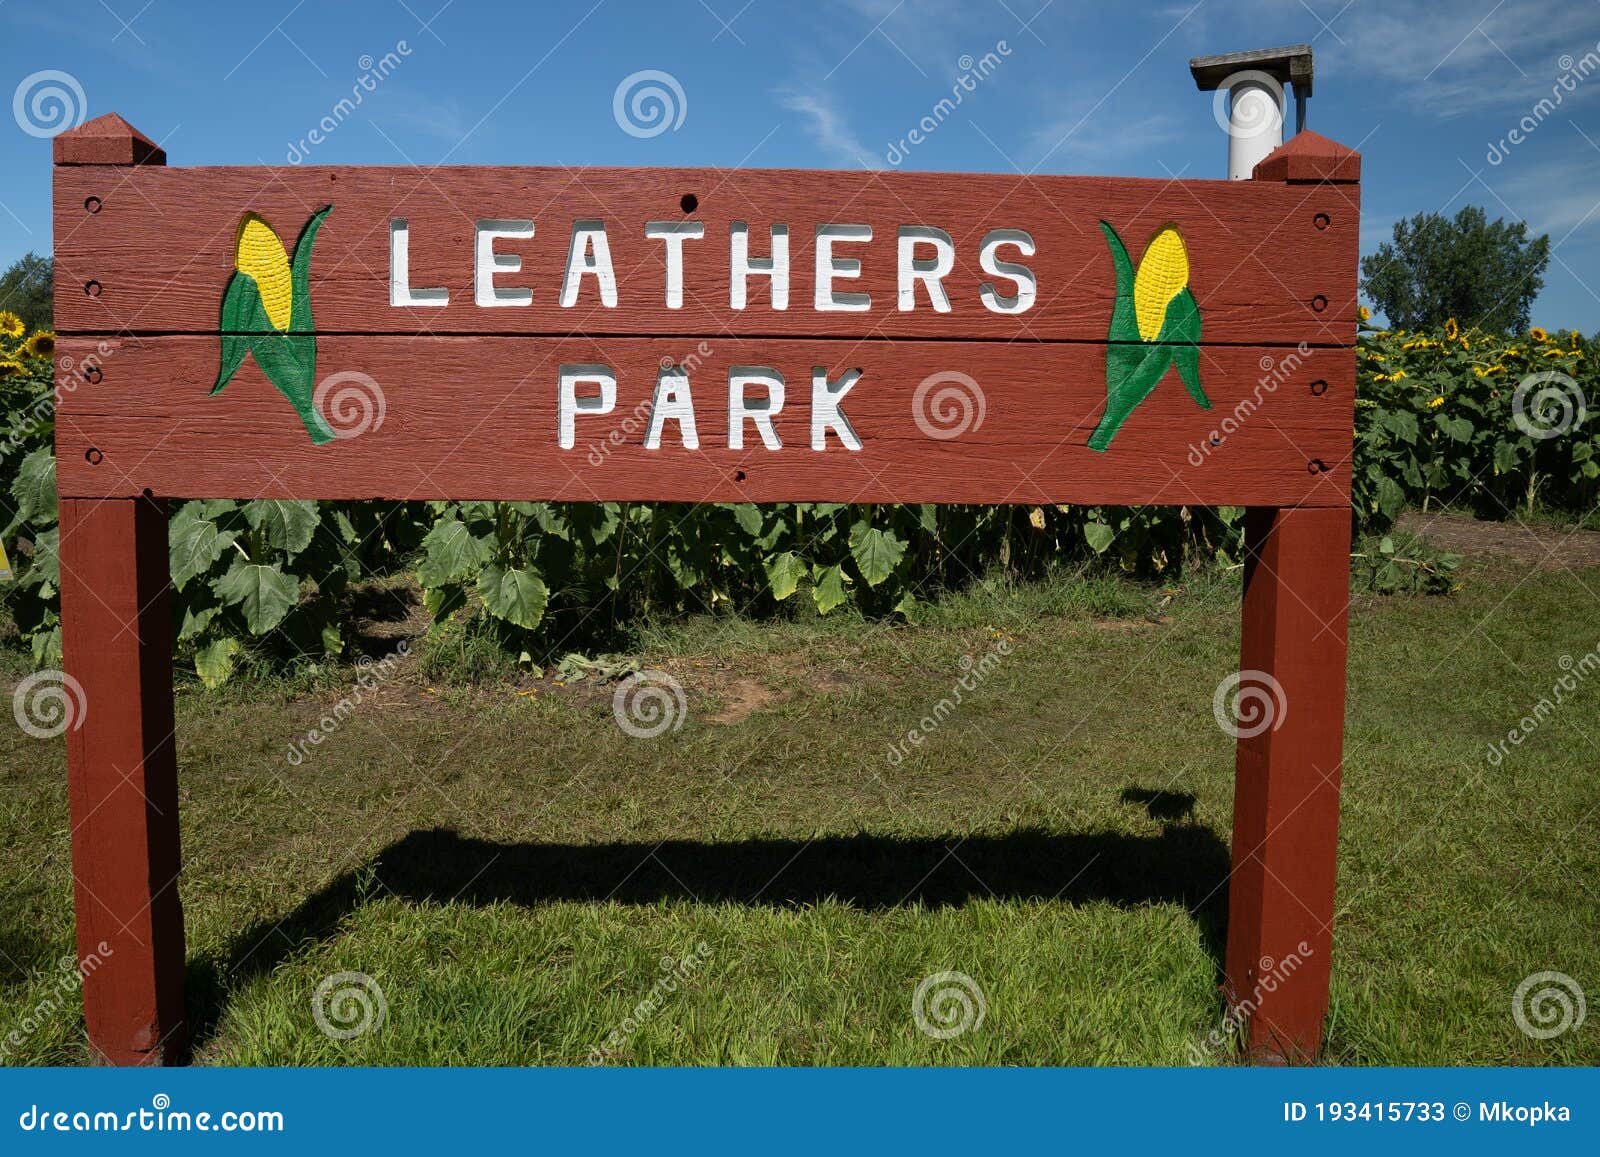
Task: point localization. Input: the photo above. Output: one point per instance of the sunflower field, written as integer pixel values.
(1492, 425)
(1453, 418)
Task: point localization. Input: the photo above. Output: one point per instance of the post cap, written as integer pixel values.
(1288, 65)
(106, 140)
(1310, 157)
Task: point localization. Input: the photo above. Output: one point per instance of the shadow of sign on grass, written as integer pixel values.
(1186, 863)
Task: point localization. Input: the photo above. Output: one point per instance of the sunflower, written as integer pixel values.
(41, 345)
(10, 324)
(1538, 334)
(1451, 329)
(1436, 403)
(1364, 313)
(9, 368)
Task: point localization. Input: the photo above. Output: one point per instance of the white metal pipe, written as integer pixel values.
(1255, 124)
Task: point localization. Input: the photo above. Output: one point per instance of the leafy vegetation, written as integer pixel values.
(26, 290)
(1442, 418)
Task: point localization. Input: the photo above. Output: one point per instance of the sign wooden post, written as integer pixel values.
(700, 336)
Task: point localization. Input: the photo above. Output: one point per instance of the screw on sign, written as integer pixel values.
(739, 336)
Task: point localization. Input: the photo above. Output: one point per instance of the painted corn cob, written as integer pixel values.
(1155, 323)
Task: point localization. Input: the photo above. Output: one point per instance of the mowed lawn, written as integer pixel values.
(519, 877)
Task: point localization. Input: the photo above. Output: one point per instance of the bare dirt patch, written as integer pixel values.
(1547, 547)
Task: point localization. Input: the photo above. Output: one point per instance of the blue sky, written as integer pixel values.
(1423, 89)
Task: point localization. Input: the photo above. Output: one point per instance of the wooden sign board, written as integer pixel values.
(698, 335)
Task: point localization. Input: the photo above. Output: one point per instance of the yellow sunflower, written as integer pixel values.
(11, 369)
(1436, 403)
(1538, 334)
(10, 324)
(1451, 329)
(1364, 313)
(41, 345)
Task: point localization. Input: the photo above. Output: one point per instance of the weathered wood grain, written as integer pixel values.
(477, 418)
(160, 246)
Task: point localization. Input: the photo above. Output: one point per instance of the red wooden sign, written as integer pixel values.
(699, 335)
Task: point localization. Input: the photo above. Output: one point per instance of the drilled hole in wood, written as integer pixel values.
(1319, 387)
(92, 456)
(92, 288)
(92, 374)
(91, 204)
(1316, 466)
(689, 202)
(739, 476)
(1322, 220)
(1319, 303)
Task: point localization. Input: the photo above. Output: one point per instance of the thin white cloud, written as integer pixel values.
(1094, 144)
(826, 125)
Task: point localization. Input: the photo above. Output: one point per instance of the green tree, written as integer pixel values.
(1484, 275)
(25, 290)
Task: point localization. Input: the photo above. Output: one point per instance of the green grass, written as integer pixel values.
(512, 869)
